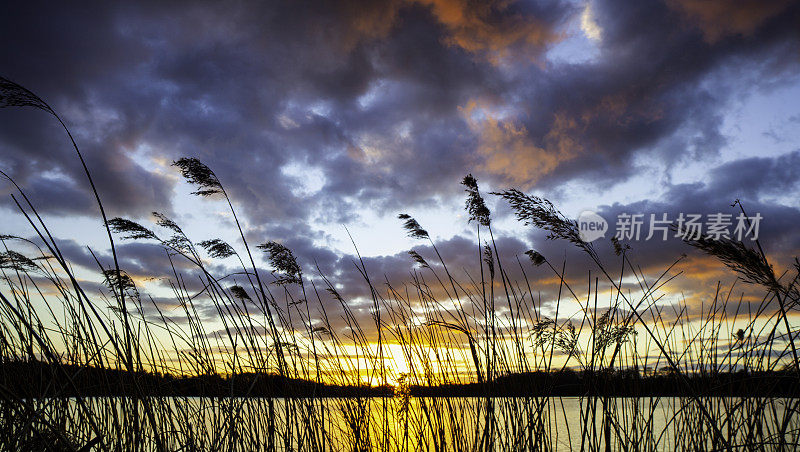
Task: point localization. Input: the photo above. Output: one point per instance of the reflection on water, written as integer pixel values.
(432, 424)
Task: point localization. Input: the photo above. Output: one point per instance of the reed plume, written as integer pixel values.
(197, 173)
(475, 204)
(413, 227)
(282, 260)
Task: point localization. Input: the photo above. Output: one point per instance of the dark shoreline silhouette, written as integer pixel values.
(36, 379)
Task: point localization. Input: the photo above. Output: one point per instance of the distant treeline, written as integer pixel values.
(625, 383)
(31, 379)
(38, 379)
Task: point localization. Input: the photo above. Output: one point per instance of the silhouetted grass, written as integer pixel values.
(116, 370)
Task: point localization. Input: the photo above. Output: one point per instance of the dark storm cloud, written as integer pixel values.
(654, 94)
(250, 88)
(385, 101)
(72, 57)
(757, 176)
(373, 95)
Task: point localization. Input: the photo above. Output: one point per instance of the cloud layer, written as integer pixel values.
(313, 113)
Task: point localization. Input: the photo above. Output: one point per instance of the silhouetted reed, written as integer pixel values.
(252, 360)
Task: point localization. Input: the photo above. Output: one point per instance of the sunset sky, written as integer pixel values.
(318, 115)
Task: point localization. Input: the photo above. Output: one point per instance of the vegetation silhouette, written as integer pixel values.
(286, 362)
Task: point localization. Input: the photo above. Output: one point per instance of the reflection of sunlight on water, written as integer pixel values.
(407, 424)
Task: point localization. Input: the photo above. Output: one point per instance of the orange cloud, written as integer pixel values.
(367, 20)
(487, 27)
(722, 18)
(507, 149)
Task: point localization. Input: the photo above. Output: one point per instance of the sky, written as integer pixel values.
(324, 119)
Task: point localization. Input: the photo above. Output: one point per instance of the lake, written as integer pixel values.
(429, 424)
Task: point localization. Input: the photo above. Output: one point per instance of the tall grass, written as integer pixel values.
(292, 328)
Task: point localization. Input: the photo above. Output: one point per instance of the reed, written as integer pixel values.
(447, 361)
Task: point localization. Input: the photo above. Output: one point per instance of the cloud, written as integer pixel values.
(373, 95)
(507, 150)
(722, 19)
(390, 103)
(588, 25)
(499, 29)
(654, 96)
(756, 177)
